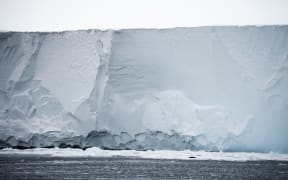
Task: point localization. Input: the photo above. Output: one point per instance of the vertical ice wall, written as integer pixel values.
(213, 82)
(48, 80)
(225, 86)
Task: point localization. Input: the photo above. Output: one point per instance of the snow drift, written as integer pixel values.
(225, 88)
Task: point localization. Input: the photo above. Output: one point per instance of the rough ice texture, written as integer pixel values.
(216, 88)
(48, 81)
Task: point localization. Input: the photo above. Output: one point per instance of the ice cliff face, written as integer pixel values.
(52, 81)
(224, 87)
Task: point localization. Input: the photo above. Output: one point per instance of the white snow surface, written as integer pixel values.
(160, 154)
(208, 81)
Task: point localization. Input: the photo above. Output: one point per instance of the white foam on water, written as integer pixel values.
(161, 154)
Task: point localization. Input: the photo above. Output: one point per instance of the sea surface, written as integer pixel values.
(22, 166)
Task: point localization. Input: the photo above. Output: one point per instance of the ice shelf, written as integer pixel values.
(213, 88)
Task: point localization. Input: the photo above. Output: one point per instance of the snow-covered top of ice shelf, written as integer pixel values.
(210, 82)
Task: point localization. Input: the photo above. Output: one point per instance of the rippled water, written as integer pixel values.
(45, 167)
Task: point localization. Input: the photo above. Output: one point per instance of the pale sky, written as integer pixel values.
(57, 15)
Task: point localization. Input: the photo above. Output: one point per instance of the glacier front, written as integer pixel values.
(209, 88)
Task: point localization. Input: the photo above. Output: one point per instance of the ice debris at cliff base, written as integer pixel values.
(151, 140)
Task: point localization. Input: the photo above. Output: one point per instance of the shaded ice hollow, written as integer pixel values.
(224, 87)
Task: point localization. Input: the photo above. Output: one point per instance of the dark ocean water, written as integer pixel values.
(45, 167)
